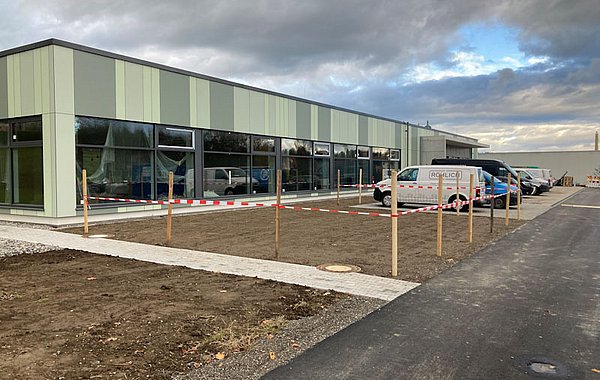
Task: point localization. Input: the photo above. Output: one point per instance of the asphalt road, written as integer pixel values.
(525, 307)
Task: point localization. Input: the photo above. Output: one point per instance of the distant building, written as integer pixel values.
(67, 107)
(578, 164)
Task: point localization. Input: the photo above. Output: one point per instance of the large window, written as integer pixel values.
(364, 162)
(21, 161)
(321, 164)
(175, 153)
(118, 157)
(263, 164)
(345, 162)
(296, 165)
(227, 164)
(381, 164)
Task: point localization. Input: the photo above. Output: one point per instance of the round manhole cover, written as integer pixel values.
(99, 236)
(339, 268)
(543, 368)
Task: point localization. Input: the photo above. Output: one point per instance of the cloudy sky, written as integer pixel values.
(518, 75)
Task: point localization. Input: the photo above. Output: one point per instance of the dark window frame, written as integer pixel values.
(11, 146)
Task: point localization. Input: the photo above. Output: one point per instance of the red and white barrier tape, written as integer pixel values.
(204, 202)
(408, 187)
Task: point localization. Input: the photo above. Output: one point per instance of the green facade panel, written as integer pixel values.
(26, 83)
(221, 106)
(303, 120)
(134, 91)
(95, 85)
(3, 88)
(174, 98)
(241, 110)
(363, 130)
(399, 130)
(258, 122)
(202, 103)
(324, 124)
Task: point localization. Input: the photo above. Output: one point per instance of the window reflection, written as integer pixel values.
(263, 174)
(182, 166)
(4, 175)
(227, 175)
(117, 172)
(93, 131)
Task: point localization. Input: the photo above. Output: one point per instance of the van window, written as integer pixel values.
(408, 175)
(220, 174)
(502, 172)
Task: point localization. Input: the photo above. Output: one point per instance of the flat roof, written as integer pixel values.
(104, 53)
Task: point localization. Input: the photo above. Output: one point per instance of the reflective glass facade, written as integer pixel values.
(133, 160)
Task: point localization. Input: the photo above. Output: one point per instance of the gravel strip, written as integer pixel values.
(17, 247)
(296, 337)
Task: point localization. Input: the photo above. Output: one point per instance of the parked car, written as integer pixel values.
(228, 181)
(541, 173)
(540, 183)
(418, 184)
(527, 188)
(499, 188)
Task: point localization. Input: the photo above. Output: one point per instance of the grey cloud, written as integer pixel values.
(352, 54)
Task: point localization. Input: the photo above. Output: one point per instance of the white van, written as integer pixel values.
(419, 184)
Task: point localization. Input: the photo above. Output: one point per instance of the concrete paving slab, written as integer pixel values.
(351, 283)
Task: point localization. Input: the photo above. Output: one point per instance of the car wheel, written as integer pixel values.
(463, 207)
(535, 191)
(228, 191)
(499, 202)
(386, 201)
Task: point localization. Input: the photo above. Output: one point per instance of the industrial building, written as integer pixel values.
(66, 107)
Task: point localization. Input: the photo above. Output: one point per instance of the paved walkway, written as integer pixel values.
(527, 306)
(352, 283)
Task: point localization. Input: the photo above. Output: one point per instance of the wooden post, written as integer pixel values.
(457, 193)
(519, 196)
(170, 208)
(360, 186)
(394, 224)
(85, 204)
(507, 199)
(277, 212)
(471, 208)
(338, 188)
(439, 224)
(492, 206)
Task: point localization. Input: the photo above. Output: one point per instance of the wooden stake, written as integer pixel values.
(360, 186)
(471, 208)
(394, 223)
(457, 193)
(85, 204)
(519, 196)
(338, 188)
(492, 207)
(170, 208)
(277, 212)
(439, 225)
(507, 199)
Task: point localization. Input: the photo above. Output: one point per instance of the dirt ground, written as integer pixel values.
(69, 314)
(314, 238)
(74, 315)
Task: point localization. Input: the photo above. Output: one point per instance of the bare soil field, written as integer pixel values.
(69, 314)
(75, 315)
(314, 238)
